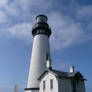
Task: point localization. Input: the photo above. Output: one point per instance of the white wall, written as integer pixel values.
(32, 91)
(47, 79)
(38, 59)
(81, 86)
(65, 85)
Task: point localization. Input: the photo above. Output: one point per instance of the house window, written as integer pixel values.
(44, 84)
(51, 83)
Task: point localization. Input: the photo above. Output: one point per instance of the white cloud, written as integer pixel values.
(34, 4)
(84, 13)
(11, 9)
(3, 3)
(16, 10)
(3, 17)
(65, 31)
(41, 4)
(26, 7)
(21, 31)
(24, 10)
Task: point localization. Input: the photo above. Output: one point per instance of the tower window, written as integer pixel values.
(44, 85)
(51, 83)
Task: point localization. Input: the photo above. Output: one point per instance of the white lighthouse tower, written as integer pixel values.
(41, 33)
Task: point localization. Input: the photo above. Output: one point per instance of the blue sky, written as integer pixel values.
(70, 42)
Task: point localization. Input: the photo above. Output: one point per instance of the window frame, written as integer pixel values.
(51, 84)
(44, 84)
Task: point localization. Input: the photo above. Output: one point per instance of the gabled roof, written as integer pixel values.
(62, 74)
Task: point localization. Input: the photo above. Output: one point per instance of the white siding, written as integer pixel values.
(81, 86)
(27, 91)
(64, 85)
(32, 91)
(47, 78)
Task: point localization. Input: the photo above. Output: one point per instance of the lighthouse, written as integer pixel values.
(41, 33)
(42, 77)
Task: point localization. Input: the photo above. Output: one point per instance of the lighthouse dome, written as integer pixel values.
(41, 18)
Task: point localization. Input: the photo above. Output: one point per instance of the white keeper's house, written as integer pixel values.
(59, 81)
(42, 77)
